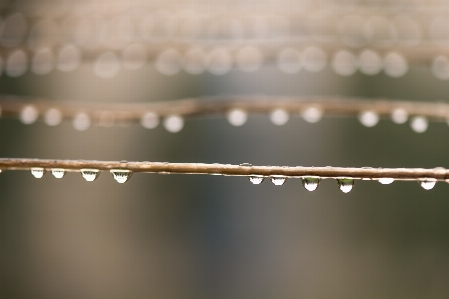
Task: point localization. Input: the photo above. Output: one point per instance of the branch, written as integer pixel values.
(404, 174)
(12, 106)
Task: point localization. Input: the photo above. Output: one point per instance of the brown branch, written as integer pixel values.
(406, 174)
(212, 106)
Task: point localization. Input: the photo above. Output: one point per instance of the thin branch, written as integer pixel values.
(12, 106)
(406, 174)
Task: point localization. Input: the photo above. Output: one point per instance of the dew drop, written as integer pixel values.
(149, 120)
(28, 114)
(81, 122)
(58, 173)
(312, 115)
(237, 117)
(370, 63)
(52, 117)
(121, 175)
(256, 179)
(37, 172)
(90, 175)
(345, 63)
(369, 118)
(427, 184)
(399, 116)
(386, 181)
(419, 124)
(279, 117)
(345, 184)
(278, 180)
(395, 65)
(311, 182)
(173, 123)
(246, 165)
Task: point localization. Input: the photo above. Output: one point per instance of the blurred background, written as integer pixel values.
(198, 236)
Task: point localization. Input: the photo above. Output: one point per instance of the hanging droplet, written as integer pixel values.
(37, 172)
(427, 184)
(246, 165)
(149, 120)
(256, 179)
(419, 124)
(279, 117)
(90, 175)
(237, 117)
(369, 118)
(399, 116)
(312, 115)
(311, 182)
(81, 121)
(121, 175)
(386, 181)
(58, 173)
(28, 114)
(174, 123)
(52, 117)
(345, 184)
(278, 180)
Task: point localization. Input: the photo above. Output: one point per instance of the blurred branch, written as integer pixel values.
(228, 169)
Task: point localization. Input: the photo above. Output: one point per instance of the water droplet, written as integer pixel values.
(440, 67)
(312, 115)
(81, 122)
(43, 62)
(395, 65)
(168, 62)
(195, 61)
(369, 118)
(90, 175)
(16, 64)
(149, 120)
(173, 123)
(69, 59)
(37, 172)
(219, 62)
(386, 181)
(345, 184)
(311, 183)
(134, 56)
(278, 180)
(279, 117)
(237, 117)
(246, 165)
(256, 179)
(121, 175)
(53, 117)
(399, 116)
(427, 184)
(419, 124)
(345, 63)
(28, 114)
(370, 63)
(107, 65)
(58, 173)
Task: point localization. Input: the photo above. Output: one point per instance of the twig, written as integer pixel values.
(405, 174)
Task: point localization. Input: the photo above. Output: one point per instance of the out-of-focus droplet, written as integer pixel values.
(395, 65)
(345, 63)
(69, 59)
(370, 63)
(314, 59)
(173, 123)
(237, 117)
(249, 59)
(14, 29)
(58, 172)
(52, 117)
(43, 62)
(90, 175)
(419, 124)
(369, 118)
(16, 64)
(427, 184)
(168, 62)
(440, 67)
(399, 116)
(28, 114)
(219, 62)
(149, 120)
(38, 172)
(107, 65)
(386, 181)
(195, 61)
(289, 61)
(278, 180)
(345, 184)
(81, 121)
(310, 183)
(312, 114)
(409, 32)
(256, 179)
(279, 117)
(134, 56)
(121, 175)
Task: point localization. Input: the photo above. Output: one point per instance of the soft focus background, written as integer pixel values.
(188, 236)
